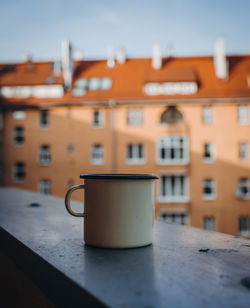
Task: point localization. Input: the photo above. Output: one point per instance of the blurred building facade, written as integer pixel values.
(185, 119)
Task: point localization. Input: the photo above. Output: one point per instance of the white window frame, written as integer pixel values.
(135, 159)
(135, 117)
(41, 125)
(210, 159)
(44, 155)
(177, 215)
(16, 179)
(243, 114)
(166, 142)
(70, 149)
(44, 186)
(213, 187)
(173, 198)
(17, 134)
(209, 223)
(101, 122)
(99, 151)
(243, 183)
(247, 231)
(207, 115)
(244, 151)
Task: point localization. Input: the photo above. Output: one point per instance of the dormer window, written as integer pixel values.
(170, 88)
(82, 85)
(94, 84)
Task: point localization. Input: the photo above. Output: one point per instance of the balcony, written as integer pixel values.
(46, 264)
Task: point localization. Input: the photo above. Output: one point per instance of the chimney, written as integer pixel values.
(28, 57)
(67, 63)
(220, 61)
(78, 56)
(156, 58)
(170, 51)
(121, 55)
(56, 68)
(111, 58)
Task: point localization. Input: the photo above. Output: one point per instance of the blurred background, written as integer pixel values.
(157, 87)
(189, 27)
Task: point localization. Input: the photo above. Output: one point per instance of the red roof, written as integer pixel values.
(129, 78)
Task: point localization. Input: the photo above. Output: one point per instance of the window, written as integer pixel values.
(244, 151)
(178, 218)
(209, 223)
(208, 189)
(98, 118)
(45, 187)
(243, 114)
(18, 135)
(208, 155)
(44, 155)
(19, 171)
(243, 190)
(244, 225)
(135, 153)
(135, 117)
(97, 154)
(171, 116)
(94, 84)
(19, 115)
(207, 115)
(70, 183)
(82, 83)
(106, 83)
(70, 149)
(173, 150)
(44, 118)
(173, 188)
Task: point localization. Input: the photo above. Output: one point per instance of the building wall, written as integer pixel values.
(73, 125)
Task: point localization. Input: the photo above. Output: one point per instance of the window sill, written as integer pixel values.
(208, 160)
(245, 233)
(172, 163)
(162, 199)
(244, 197)
(97, 163)
(209, 198)
(135, 162)
(97, 126)
(44, 164)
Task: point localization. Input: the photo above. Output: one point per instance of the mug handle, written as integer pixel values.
(67, 201)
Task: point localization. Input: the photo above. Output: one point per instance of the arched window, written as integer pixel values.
(171, 116)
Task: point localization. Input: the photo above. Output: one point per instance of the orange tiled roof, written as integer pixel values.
(129, 78)
(27, 74)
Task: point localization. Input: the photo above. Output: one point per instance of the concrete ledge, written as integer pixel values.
(186, 267)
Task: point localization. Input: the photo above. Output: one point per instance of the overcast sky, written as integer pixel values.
(94, 27)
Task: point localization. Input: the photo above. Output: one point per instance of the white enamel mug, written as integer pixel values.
(118, 209)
